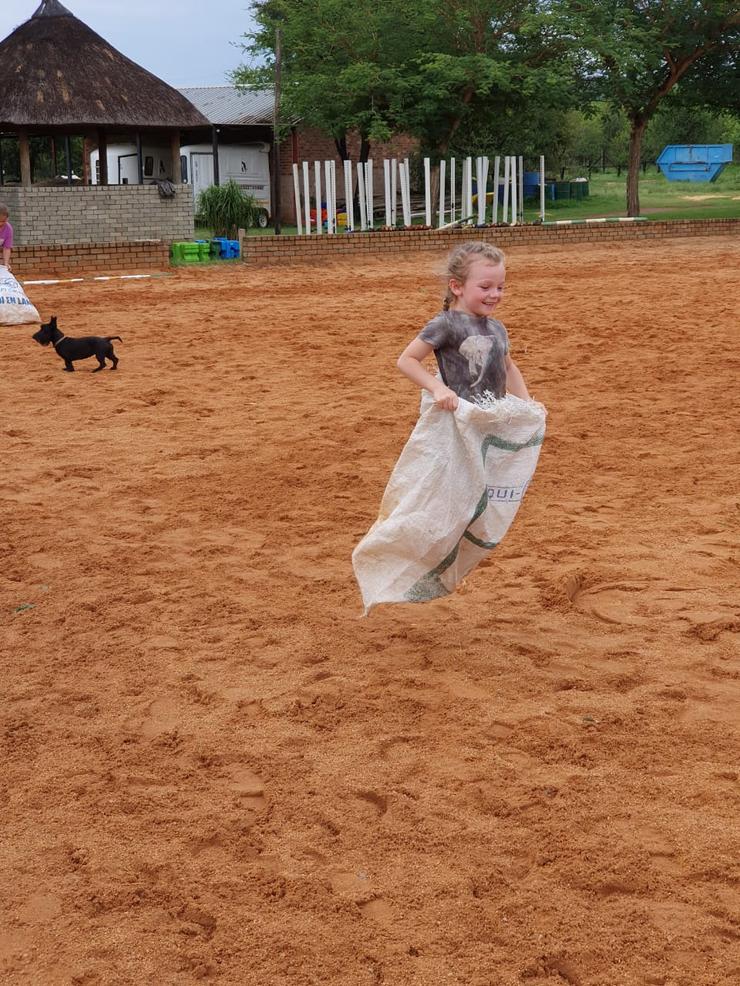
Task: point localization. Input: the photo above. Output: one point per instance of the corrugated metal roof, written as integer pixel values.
(229, 106)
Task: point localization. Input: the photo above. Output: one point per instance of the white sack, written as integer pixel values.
(15, 308)
(451, 498)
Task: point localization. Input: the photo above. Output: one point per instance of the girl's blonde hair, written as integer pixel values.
(460, 260)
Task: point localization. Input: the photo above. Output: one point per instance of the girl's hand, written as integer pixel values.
(444, 398)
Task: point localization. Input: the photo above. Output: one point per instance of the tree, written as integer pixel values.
(641, 50)
(421, 67)
(336, 70)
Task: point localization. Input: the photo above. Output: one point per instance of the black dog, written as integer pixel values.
(82, 348)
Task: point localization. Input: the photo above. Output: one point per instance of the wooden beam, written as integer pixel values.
(139, 158)
(103, 157)
(216, 170)
(24, 148)
(175, 152)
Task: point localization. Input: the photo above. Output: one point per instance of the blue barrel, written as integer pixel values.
(531, 184)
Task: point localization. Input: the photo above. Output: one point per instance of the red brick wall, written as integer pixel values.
(99, 258)
(262, 251)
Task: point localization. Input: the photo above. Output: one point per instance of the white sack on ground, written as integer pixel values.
(15, 308)
(451, 498)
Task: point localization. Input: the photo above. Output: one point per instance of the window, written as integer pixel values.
(184, 169)
(148, 166)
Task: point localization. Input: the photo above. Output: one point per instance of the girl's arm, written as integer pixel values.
(515, 381)
(409, 363)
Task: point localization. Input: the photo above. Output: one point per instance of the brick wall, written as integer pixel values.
(71, 260)
(262, 251)
(97, 214)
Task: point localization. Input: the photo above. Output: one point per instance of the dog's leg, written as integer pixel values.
(68, 366)
(101, 363)
(113, 358)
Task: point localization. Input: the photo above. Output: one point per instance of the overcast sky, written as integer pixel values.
(186, 42)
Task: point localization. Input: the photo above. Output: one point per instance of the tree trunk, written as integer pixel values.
(637, 129)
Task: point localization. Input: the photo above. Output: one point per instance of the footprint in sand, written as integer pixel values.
(645, 602)
(247, 786)
(162, 716)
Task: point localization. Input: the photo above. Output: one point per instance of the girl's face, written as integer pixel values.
(482, 289)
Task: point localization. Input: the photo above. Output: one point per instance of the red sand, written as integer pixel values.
(214, 770)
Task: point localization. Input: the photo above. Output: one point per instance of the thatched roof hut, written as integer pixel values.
(57, 72)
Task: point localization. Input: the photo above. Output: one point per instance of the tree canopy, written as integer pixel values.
(463, 74)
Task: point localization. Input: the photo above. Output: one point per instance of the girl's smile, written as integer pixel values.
(482, 289)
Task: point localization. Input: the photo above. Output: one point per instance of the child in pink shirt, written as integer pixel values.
(6, 236)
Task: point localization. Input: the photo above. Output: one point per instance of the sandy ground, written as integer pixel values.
(213, 769)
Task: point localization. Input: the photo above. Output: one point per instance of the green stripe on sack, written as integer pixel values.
(488, 545)
(506, 446)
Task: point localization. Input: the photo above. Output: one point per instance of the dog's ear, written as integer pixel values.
(53, 321)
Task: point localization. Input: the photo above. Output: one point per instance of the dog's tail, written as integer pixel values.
(111, 338)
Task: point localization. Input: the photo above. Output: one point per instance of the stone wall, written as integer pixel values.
(262, 251)
(97, 214)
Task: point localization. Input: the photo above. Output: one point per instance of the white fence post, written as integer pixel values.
(307, 197)
(542, 187)
(369, 190)
(442, 183)
(349, 207)
(327, 183)
(317, 184)
(521, 189)
(297, 197)
(496, 176)
(394, 191)
(452, 190)
(427, 192)
(387, 189)
(361, 195)
(507, 182)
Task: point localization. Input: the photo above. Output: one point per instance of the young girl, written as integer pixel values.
(6, 237)
(471, 347)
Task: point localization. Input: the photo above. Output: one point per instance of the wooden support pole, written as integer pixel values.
(103, 157)
(24, 149)
(175, 156)
(68, 157)
(139, 159)
(214, 148)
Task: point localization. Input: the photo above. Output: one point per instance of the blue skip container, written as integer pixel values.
(694, 162)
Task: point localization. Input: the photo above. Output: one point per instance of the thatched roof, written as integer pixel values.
(56, 72)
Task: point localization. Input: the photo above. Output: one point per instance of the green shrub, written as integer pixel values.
(226, 208)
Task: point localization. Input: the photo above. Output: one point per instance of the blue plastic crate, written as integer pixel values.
(227, 249)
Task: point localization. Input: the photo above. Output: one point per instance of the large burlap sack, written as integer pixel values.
(15, 308)
(451, 498)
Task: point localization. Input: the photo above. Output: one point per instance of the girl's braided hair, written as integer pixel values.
(460, 260)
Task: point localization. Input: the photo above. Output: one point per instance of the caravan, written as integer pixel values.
(246, 164)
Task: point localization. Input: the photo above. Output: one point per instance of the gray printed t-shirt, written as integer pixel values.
(471, 352)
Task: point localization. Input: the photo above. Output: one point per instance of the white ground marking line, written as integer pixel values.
(110, 277)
